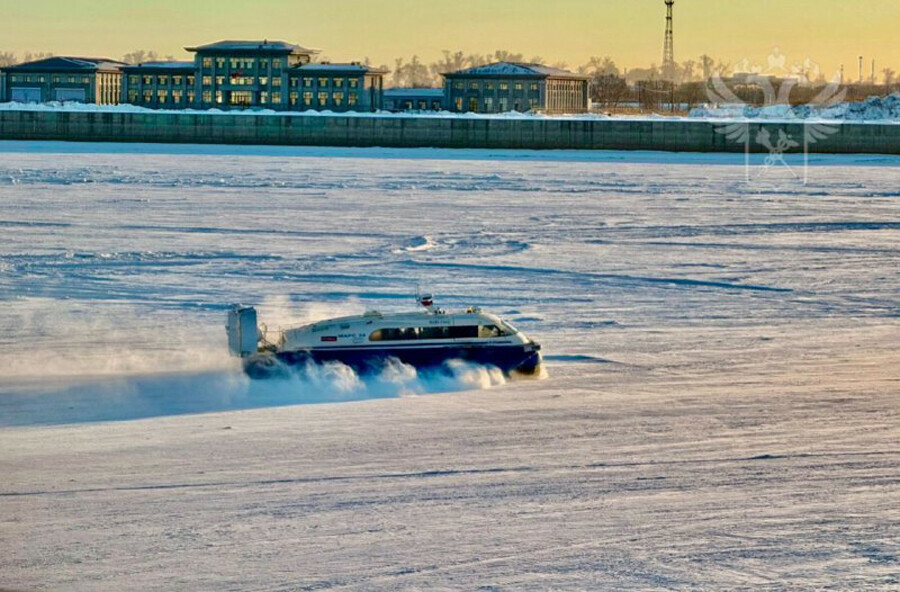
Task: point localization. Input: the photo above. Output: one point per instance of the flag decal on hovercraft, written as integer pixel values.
(329, 339)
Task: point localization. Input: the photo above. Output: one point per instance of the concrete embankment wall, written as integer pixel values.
(438, 132)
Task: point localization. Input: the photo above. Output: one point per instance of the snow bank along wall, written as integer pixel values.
(439, 132)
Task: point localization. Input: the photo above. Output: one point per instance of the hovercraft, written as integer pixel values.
(424, 339)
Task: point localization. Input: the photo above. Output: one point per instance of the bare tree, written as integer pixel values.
(33, 57)
(599, 67)
(706, 64)
(890, 76)
(139, 56)
(8, 58)
(608, 89)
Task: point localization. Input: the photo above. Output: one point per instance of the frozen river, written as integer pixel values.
(721, 412)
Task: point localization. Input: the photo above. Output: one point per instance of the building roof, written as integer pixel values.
(396, 93)
(253, 46)
(514, 70)
(351, 68)
(67, 64)
(171, 65)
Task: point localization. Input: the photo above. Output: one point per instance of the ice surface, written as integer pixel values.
(721, 410)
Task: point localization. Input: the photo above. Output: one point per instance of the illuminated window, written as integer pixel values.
(207, 62)
(473, 86)
(339, 82)
(132, 79)
(488, 104)
(307, 82)
(132, 96)
(220, 63)
(352, 99)
(220, 80)
(148, 96)
(519, 86)
(264, 97)
(338, 98)
(162, 95)
(293, 97)
(488, 86)
(323, 82)
(458, 85)
(191, 95)
(207, 81)
(264, 80)
(535, 86)
(219, 97)
(177, 95)
(323, 99)
(308, 99)
(276, 81)
(207, 97)
(354, 83)
(191, 80)
(504, 86)
(177, 80)
(164, 80)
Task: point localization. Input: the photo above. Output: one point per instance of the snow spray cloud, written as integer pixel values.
(123, 397)
(47, 339)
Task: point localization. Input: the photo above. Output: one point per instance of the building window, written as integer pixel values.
(277, 63)
(339, 82)
(191, 80)
(207, 97)
(459, 103)
(191, 95)
(162, 95)
(338, 98)
(354, 83)
(207, 62)
(458, 85)
(177, 80)
(85, 80)
(488, 86)
(323, 82)
(241, 98)
(220, 63)
(307, 82)
(488, 104)
(352, 98)
(504, 104)
(504, 86)
(276, 81)
(293, 97)
(264, 80)
(132, 96)
(164, 80)
(133, 79)
(177, 95)
(323, 99)
(219, 97)
(535, 86)
(207, 81)
(220, 80)
(533, 104)
(264, 64)
(519, 86)
(307, 99)
(276, 98)
(264, 97)
(473, 86)
(148, 96)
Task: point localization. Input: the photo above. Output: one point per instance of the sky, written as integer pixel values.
(828, 32)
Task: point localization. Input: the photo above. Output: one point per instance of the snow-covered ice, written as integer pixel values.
(721, 410)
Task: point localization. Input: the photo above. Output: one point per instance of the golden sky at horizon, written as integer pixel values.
(829, 32)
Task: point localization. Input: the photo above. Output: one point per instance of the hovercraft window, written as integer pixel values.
(416, 333)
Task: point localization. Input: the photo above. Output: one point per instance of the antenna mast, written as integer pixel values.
(668, 66)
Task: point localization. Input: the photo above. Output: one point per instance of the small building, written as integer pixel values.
(160, 85)
(414, 99)
(515, 86)
(335, 87)
(64, 78)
